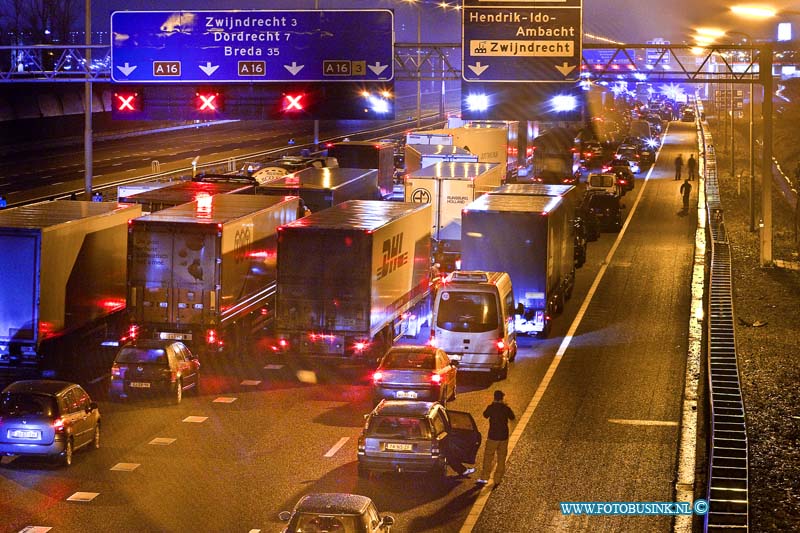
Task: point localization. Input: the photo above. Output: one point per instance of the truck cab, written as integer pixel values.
(473, 321)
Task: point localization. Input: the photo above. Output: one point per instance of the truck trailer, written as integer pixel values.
(184, 192)
(204, 272)
(569, 193)
(368, 155)
(419, 156)
(320, 188)
(527, 237)
(556, 157)
(449, 187)
(63, 291)
(352, 279)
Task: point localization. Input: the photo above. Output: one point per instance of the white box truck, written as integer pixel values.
(449, 187)
(419, 156)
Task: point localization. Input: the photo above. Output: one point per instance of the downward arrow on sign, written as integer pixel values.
(377, 68)
(565, 69)
(208, 68)
(127, 69)
(477, 68)
(294, 68)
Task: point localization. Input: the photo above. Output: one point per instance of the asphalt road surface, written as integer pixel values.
(604, 427)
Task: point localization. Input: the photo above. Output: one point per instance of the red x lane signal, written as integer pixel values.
(208, 101)
(127, 102)
(293, 102)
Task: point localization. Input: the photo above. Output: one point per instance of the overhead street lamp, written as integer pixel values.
(418, 3)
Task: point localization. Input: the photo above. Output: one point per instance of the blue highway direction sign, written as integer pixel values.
(251, 46)
(521, 40)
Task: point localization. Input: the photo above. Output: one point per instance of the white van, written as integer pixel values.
(473, 321)
(606, 183)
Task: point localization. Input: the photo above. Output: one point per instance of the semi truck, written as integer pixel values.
(528, 237)
(184, 192)
(129, 189)
(440, 136)
(569, 193)
(320, 188)
(63, 291)
(352, 279)
(449, 187)
(419, 156)
(368, 155)
(204, 272)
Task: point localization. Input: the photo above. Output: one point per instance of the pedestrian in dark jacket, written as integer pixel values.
(678, 166)
(691, 167)
(686, 191)
(499, 414)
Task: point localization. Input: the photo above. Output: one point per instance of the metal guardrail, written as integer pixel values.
(728, 474)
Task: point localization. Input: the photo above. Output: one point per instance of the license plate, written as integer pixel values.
(24, 434)
(139, 385)
(175, 336)
(399, 447)
(406, 394)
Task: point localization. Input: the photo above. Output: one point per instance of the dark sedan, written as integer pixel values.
(154, 367)
(410, 372)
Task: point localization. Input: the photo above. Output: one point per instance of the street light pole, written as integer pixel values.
(765, 237)
(88, 155)
(419, 67)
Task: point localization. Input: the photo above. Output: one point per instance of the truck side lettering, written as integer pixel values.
(393, 256)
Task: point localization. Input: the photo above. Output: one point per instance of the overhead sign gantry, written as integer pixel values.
(526, 41)
(252, 46)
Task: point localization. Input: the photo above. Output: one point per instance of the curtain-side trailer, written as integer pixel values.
(419, 156)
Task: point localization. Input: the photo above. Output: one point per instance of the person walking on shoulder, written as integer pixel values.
(678, 166)
(691, 166)
(686, 191)
(499, 414)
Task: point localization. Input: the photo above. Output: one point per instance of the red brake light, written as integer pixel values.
(501, 345)
(360, 346)
(211, 336)
(377, 377)
(58, 425)
(436, 378)
(283, 343)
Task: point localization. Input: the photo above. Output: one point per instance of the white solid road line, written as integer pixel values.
(337, 446)
(628, 422)
(483, 497)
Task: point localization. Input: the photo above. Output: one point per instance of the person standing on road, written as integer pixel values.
(499, 414)
(691, 167)
(678, 166)
(686, 191)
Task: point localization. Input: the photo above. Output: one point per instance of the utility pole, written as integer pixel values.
(88, 155)
(765, 237)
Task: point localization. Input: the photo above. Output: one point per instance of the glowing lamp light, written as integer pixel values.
(477, 102)
(377, 376)
(563, 102)
(378, 105)
(204, 201)
(436, 378)
(640, 76)
(127, 101)
(360, 346)
(293, 102)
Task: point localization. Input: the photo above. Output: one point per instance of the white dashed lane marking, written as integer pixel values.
(195, 419)
(83, 496)
(222, 399)
(337, 446)
(125, 467)
(162, 441)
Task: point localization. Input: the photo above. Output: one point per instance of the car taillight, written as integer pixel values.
(133, 331)
(432, 341)
(211, 336)
(436, 378)
(501, 345)
(435, 448)
(116, 372)
(362, 445)
(58, 425)
(360, 346)
(377, 377)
